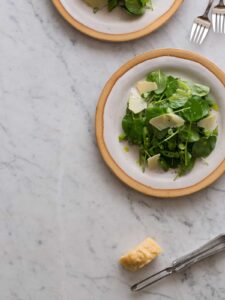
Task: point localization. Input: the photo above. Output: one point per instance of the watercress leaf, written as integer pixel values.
(181, 95)
(200, 90)
(134, 7)
(172, 85)
(184, 169)
(171, 162)
(127, 123)
(112, 4)
(163, 164)
(171, 154)
(155, 111)
(178, 103)
(160, 79)
(204, 146)
(189, 133)
(183, 85)
(196, 108)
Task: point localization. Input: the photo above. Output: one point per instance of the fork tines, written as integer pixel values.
(218, 19)
(199, 30)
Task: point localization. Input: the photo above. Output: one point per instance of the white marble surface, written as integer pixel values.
(64, 218)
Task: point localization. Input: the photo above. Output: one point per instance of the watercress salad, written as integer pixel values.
(132, 7)
(171, 121)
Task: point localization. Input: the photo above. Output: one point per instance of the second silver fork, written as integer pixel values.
(218, 17)
(201, 26)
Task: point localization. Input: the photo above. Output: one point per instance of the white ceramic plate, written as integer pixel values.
(117, 25)
(115, 106)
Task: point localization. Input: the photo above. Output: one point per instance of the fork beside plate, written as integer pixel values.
(202, 24)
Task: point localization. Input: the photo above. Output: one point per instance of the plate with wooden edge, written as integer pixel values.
(112, 106)
(116, 26)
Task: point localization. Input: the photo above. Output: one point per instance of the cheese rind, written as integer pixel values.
(142, 255)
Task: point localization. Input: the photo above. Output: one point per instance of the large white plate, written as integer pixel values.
(115, 106)
(117, 25)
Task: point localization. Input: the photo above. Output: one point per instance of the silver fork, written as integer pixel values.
(218, 17)
(201, 26)
(211, 248)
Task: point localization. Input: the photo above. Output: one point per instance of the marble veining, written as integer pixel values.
(64, 218)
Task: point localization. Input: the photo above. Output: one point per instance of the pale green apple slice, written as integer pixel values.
(146, 86)
(170, 120)
(135, 103)
(153, 162)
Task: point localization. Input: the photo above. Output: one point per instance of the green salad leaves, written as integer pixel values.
(175, 127)
(132, 7)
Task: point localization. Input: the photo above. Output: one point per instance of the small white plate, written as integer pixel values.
(112, 106)
(116, 25)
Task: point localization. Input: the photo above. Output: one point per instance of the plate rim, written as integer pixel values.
(118, 37)
(99, 124)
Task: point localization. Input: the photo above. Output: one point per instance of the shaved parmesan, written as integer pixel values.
(170, 120)
(135, 103)
(208, 123)
(153, 162)
(146, 86)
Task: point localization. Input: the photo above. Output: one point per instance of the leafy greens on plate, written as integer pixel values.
(132, 7)
(171, 121)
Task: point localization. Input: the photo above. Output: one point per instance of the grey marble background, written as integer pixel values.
(64, 218)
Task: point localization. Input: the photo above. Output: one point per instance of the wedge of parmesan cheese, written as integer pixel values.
(208, 123)
(142, 255)
(135, 103)
(170, 120)
(146, 86)
(153, 162)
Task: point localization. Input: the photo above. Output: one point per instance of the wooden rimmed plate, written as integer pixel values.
(111, 108)
(116, 26)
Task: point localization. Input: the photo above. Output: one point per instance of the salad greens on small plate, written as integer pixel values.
(117, 20)
(172, 122)
(132, 7)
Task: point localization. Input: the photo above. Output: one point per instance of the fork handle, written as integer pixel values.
(208, 8)
(212, 244)
(152, 279)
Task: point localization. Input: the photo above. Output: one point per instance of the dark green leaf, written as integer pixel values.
(154, 111)
(196, 108)
(204, 146)
(163, 163)
(170, 162)
(172, 85)
(175, 104)
(161, 80)
(184, 169)
(112, 4)
(134, 7)
(189, 133)
(133, 128)
(170, 154)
